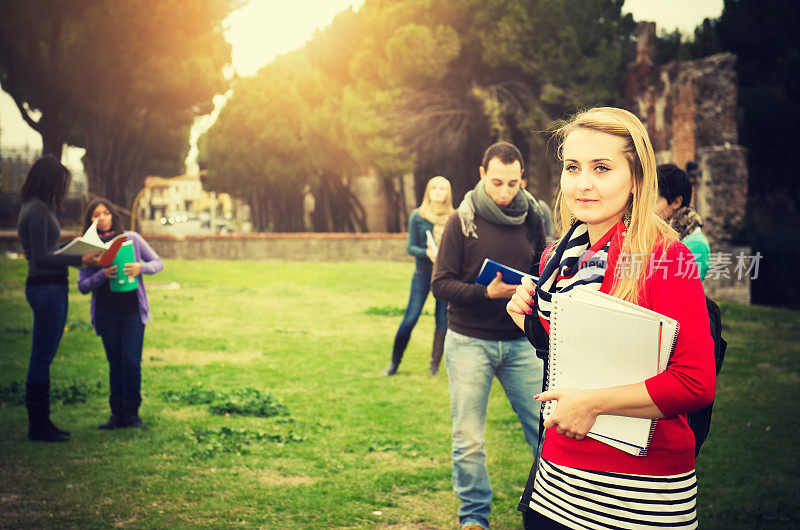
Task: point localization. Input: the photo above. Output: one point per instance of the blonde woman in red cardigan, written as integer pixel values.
(613, 240)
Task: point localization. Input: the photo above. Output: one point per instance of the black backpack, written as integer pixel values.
(700, 420)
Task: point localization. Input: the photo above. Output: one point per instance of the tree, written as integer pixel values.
(122, 79)
(36, 64)
(155, 80)
(282, 134)
(763, 36)
(423, 86)
(471, 72)
(258, 146)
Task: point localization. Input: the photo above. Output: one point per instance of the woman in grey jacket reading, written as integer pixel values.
(46, 287)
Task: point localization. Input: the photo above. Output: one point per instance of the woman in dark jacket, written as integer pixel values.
(46, 286)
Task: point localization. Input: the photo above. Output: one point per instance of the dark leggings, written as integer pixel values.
(533, 520)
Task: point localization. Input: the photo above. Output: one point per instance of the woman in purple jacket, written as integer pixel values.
(119, 317)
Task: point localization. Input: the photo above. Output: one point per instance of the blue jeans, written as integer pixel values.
(420, 287)
(49, 304)
(472, 364)
(123, 339)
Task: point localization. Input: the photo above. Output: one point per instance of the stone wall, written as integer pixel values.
(726, 283)
(291, 247)
(689, 109)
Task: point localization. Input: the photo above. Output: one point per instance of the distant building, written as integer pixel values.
(15, 162)
(179, 205)
(14, 165)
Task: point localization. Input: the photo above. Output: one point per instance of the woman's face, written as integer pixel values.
(103, 217)
(437, 192)
(596, 180)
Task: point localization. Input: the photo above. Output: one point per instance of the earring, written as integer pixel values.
(626, 218)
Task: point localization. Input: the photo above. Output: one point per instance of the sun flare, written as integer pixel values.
(264, 29)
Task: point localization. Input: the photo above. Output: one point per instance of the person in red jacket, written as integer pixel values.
(613, 240)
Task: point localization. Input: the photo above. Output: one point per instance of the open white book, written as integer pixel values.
(91, 242)
(599, 341)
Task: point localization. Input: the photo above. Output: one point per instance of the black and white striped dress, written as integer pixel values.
(598, 499)
(579, 498)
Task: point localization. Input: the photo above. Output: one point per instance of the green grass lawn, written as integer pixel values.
(350, 448)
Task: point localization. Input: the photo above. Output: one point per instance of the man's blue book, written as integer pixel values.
(489, 271)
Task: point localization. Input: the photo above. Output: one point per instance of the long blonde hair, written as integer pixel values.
(646, 229)
(437, 212)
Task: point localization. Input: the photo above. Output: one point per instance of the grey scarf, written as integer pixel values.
(514, 213)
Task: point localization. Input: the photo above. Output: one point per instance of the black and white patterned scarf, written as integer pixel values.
(573, 262)
(685, 221)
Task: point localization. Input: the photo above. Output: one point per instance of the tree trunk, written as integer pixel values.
(337, 209)
(258, 212)
(254, 212)
(53, 135)
(393, 204)
(111, 160)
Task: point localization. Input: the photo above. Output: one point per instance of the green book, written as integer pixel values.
(123, 283)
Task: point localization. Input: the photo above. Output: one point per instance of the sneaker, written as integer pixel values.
(391, 369)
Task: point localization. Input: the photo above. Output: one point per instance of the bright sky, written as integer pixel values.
(263, 29)
(682, 14)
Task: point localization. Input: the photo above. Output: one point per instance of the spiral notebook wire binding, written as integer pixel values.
(547, 406)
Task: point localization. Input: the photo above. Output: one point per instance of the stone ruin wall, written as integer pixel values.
(689, 109)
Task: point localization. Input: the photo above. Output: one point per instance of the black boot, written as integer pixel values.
(130, 414)
(62, 432)
(37, 401)
(400, 343)
(436, 352)
(115, 421)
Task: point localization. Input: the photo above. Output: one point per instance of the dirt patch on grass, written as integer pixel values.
(270, 477)
(85, 460)
(392, 459)
(266, 477)
(185, 413)
(411, 526)
(183, 356)
(10, 498)
(439, 509)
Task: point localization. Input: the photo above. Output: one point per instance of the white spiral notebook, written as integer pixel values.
(599, 341)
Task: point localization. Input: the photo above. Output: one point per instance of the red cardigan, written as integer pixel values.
(688, 383)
